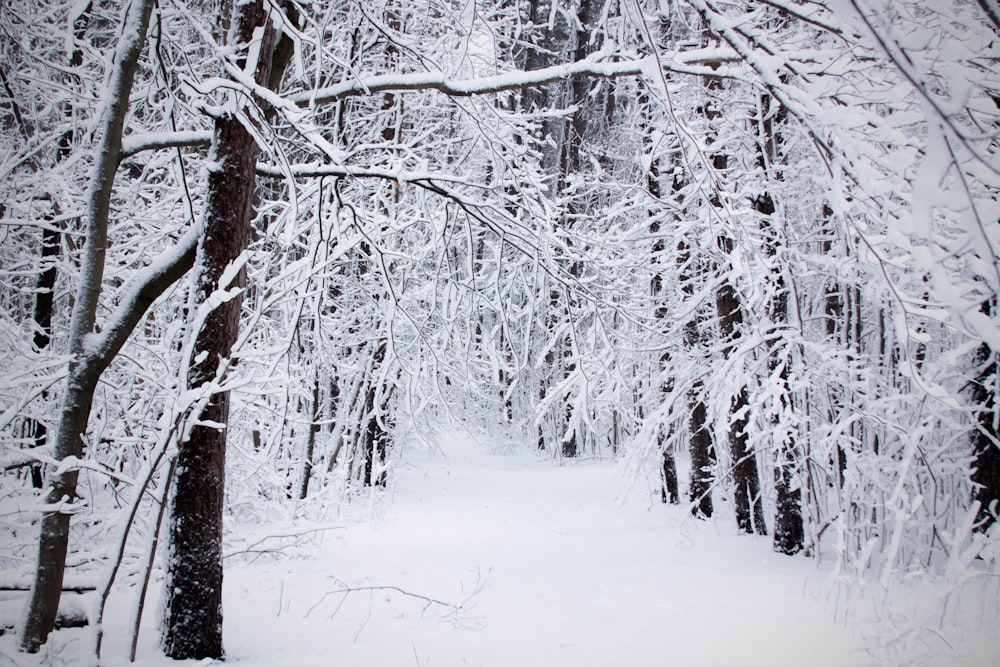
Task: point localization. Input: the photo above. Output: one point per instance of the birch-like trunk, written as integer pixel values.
(88, 361)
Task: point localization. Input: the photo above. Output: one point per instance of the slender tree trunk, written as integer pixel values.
(834, 314)
(373, 436)
(985, 441)
(44, 306)
(87, 364)
(42, 315)
(702, 459)
(746, 480)
(789, 531)
(192, 625)
(670, 491)
(314, 427)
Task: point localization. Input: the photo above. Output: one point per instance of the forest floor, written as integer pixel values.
(483, 559)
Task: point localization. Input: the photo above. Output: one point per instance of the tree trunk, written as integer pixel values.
(985, 442)
(314, 427)
(789, 530)
(746, 480)
(700, 448)
(192, 624)
(51, 238)
(670, 491)
(702, 459)
(86, 365)
(374, 439)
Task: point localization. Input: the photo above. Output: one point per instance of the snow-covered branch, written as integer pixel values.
(137, 143)
(703, 62)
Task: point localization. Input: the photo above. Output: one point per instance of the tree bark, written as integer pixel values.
(702, 459)
(700, 448)
(985, 442)
(789, 530)
(746, 480)
(86, 364)
(192, 625)
(670, 491)
(314, 428)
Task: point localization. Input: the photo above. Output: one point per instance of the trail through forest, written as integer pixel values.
(538, 564)
(497, 558)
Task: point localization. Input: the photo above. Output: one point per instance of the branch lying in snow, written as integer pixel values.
(65, 589)
(356, 589)
(252, 549)
(455, 610)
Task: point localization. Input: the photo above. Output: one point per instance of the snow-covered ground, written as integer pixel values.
(480, 559)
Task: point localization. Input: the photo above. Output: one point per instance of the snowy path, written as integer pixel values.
(568, 576)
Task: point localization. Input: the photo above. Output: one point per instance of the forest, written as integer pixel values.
(247, 249)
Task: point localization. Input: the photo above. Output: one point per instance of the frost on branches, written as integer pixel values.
(748, 247)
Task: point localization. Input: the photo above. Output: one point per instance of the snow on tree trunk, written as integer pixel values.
(789, 533)
(986, 446)
(192, 624)
(702, 459)
(193, 627)
(87, 364)
(746, 480)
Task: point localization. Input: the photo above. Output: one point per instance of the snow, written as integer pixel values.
(488, 559)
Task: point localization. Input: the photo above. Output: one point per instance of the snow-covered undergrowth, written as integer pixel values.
(480, 558)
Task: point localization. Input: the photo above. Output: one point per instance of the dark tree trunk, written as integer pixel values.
(192, 626)
(193, 607)
(746, 480)
(307, 463)
(670, 492)
(985, 443)
(833, 311)
(700, 448)
(702, 459)
(789, 535)
(374, 438)
(42, 315)
(789, 532)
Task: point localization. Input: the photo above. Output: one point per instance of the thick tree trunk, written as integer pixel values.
(192, 624)
(193, 607)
